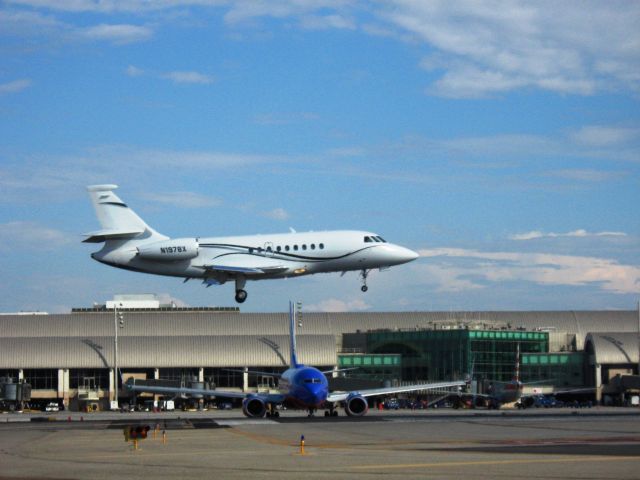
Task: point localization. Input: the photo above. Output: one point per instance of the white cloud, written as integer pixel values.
(23, 235)
(539, 268)
(183, 199)
(488, 47)
(580, 233)
(587, 175)
(324, 22)
(603, 135)
(480, 48)
(119, 34)
(189, 78)
(15, 86)
(277, 214)
(134, 71)
(336, 305)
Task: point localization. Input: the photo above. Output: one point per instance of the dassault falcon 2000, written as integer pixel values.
(131, 244)
(300, 386)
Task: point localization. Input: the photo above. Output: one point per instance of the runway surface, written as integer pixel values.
(536, 444)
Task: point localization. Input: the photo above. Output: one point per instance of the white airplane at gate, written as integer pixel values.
(131, 244)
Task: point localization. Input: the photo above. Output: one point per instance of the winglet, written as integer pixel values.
(292, 335)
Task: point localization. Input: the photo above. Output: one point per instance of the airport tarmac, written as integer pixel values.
(440, 444)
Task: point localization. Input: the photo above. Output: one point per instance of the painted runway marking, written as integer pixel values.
(581, 459)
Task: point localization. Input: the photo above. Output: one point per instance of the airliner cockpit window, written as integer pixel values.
(381, 239)
(367, 240)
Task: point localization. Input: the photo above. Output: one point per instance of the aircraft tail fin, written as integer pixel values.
(118, 221)
(292, 335)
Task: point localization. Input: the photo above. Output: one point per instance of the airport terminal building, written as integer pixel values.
(70, 358)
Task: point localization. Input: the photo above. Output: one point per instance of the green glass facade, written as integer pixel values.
(435, 355)
(560, 369)
(372, 366)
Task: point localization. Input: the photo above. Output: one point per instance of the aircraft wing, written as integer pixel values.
(246, 264)
(268, 398)
(372, 392)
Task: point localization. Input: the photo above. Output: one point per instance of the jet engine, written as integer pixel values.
(170, 250)
(356, 405)
(254, 407)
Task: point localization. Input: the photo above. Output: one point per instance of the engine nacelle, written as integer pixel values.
(356, 405)
(170, 250)
(254, 407)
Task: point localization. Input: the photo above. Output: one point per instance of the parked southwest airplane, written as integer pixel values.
(131, 244)
(300, 387)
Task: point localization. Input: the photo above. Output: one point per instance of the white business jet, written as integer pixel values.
(131, 244)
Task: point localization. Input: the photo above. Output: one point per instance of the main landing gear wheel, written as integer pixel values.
(241, 296)
(364, 288)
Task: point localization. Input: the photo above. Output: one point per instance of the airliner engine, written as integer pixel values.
(170, 250)
(254, 407)
(356, 405)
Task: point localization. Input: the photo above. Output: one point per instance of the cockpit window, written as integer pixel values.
(368, 240)
(312, 380)
(381, 239)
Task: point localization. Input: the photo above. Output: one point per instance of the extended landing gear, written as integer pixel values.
(241, 296)
(331, 412)
(364, 274)
(241, 293)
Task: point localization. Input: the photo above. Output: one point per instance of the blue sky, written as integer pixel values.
(499, 139)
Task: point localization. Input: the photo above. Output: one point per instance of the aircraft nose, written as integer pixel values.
(316, 394)
(404, 255)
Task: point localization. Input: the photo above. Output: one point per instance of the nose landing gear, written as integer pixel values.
(364, 274)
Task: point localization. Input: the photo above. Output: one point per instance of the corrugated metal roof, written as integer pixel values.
(613, 348)
(174, 339)
(164, 352)
(176, 324)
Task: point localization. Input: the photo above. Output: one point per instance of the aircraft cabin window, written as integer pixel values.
(304, 247)
(321, 246)
(295, 247)
(279, 248)
(286, 248)
(313, 246)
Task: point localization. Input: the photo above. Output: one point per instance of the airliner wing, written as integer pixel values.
(372, 392)
(267, 398)
(246, 264)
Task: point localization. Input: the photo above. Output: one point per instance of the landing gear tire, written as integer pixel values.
(364, 273)
(241, 296)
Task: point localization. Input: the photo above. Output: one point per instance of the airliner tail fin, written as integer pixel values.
(118, 221)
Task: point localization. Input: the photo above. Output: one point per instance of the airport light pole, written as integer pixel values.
(118, 322)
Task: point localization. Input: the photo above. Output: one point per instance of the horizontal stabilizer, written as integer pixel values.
(103, 235)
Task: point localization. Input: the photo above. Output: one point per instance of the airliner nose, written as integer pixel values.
(404, 255)
(316, 394)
